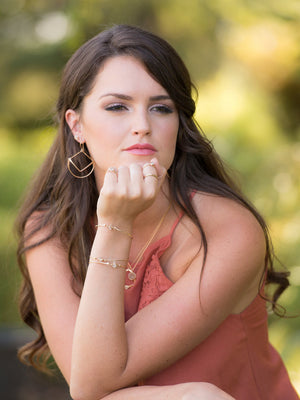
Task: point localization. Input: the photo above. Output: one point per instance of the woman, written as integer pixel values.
(132, 194)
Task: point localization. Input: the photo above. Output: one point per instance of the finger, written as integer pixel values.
(136, 174)
(149, 164)
(151, 185)
(108, 188)
(151, 176)
(149, 169)
(123, 179)
(136, 180)
(111, 176)
(161, 171)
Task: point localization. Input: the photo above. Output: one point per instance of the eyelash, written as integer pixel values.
(163, 109)
(116, 107)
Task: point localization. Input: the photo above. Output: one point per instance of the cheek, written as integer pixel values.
(97, 130)
(170, 139)
(171, 132)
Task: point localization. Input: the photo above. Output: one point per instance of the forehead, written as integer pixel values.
(125, 73)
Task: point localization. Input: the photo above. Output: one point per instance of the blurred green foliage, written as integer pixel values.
(244, 58)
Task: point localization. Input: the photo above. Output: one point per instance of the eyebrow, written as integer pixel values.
(126, 97)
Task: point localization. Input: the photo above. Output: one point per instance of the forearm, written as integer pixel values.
(99, 348)
(171, 392)
(145, 393)
(99, 352)
(182, 391)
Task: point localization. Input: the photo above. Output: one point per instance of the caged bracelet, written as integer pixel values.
(114, 228)
(115, 264)
(111, 263)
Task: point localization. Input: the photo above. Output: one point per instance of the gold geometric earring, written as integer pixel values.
(72, 160)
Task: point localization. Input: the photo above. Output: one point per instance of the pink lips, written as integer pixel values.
(141, 149)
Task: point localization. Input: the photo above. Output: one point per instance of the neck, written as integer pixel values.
(154, 233)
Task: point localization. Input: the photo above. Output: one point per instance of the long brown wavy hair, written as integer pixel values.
(53, 198)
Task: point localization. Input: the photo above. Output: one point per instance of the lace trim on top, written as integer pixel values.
(151, 281)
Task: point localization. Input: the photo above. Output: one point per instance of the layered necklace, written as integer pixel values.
(131, 266)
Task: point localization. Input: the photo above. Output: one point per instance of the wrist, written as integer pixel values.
(116, 225)
(116, 220)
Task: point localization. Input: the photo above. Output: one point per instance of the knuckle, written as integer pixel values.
(107, 192)
(136, 194)
(122, 193)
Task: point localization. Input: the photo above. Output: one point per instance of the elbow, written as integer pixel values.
(76, 394)
(82, 396)
(91, 385)
(84, 392)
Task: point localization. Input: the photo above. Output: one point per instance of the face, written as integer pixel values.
(127, 117)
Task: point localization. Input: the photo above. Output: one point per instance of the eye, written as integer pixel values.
(162, 109)
(116, 107)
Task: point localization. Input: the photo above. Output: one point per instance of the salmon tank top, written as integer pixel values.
(237, 357)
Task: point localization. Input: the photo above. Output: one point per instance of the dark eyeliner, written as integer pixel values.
(115, 107)
(163, 109)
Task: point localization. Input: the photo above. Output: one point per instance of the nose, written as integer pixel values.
(141, 124)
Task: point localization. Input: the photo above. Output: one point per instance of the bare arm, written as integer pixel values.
(184, 391)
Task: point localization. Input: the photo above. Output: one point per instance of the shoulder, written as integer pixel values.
(236, 248)
(225, 217)
(37, 229)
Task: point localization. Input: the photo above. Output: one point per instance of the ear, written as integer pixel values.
(73, 120)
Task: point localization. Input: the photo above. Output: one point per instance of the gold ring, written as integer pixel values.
(154, 176)
(149, 164)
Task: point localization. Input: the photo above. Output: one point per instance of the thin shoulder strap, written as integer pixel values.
(176, 222)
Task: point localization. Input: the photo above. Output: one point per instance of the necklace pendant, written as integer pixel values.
(131, 276)
(131, 267)
(128, 286)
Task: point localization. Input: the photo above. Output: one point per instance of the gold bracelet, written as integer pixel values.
(114, 228)
(111, 263)
(115, 264)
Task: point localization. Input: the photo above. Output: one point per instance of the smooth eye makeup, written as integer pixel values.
(162, 108)
(159, 108)
(116, 107)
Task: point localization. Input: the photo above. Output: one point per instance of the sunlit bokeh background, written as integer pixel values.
(244, 59)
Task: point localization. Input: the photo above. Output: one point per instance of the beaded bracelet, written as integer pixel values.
(111, 263)
(115, 264)
(114, 228)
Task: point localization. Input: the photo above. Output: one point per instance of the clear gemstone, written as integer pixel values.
(131, 276)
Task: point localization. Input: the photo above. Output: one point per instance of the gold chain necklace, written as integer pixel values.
(131, 266)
